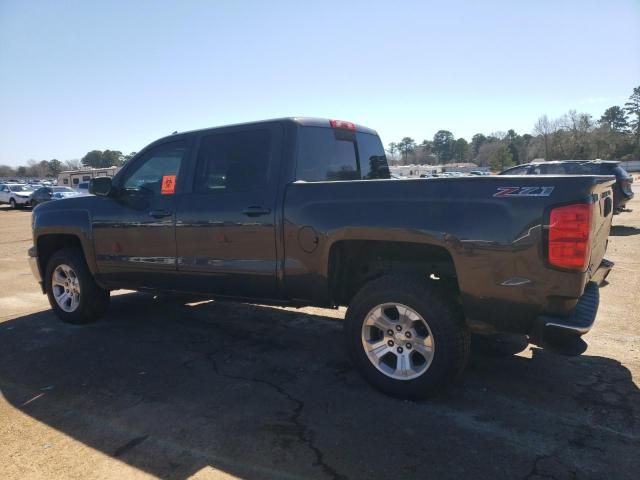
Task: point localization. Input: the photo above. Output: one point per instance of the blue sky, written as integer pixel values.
(78, 75)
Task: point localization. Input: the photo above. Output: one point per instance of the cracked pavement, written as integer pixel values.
(165, 389)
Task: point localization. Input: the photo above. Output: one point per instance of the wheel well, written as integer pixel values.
(352, 263)
(49, 244)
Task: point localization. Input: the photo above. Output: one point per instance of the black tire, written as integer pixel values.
(441, 313)
(94, 300)
(12, 204)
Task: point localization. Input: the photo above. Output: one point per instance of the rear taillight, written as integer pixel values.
(343, 124)
(569, 229)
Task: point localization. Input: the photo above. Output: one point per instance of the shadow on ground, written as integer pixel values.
(261, 392)
(624, 231)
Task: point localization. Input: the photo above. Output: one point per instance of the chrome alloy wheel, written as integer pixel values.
(66, 288)
(397, 341)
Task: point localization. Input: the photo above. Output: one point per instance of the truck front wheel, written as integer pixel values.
(73, 293)
(406, 336)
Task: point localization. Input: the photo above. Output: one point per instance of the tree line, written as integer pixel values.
(51, 168)
(573, 136)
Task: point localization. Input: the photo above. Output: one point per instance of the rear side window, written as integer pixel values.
(373, 161)
(323, 156)
(620, 172)
(581, 169)
(516, 171)
(233, 161)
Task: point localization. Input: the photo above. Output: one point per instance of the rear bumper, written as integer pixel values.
(555, 331)
(581, 319)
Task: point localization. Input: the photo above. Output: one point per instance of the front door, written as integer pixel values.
(134, 229)
(225, 230)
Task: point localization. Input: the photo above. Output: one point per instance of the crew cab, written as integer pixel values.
(302, 212)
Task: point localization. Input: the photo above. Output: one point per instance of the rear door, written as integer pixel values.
(225, 230)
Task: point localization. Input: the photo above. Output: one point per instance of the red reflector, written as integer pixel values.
(342, 124)
(569, 229)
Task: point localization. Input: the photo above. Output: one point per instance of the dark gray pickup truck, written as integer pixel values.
(303, 212)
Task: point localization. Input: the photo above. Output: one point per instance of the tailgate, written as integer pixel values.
(602, 214)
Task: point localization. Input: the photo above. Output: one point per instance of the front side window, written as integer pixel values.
(161, 161)
(233, 161)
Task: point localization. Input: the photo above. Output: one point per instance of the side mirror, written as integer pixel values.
(100, 186)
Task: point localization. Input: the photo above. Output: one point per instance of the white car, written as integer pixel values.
(16, 194)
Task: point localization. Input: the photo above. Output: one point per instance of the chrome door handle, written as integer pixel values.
(159, 213)
(256, 211)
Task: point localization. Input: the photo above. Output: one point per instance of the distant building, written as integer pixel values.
(71, 178)
(415, 171)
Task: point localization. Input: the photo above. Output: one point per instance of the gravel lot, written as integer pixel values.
(220, 390)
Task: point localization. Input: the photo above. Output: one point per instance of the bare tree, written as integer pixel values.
(73, 164)
(545, 128)
(485, 153)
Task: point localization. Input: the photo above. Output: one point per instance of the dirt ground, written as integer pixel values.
(220, 390)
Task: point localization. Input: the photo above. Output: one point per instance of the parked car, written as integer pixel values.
(15, 194)
(303, 212)
(622, 191)
(82, 187)
(45, 194)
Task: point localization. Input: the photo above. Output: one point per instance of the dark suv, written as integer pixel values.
(622, 192)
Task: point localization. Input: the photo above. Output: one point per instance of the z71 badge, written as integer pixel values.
(523, 191)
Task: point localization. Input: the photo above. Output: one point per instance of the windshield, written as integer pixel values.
(20, 188)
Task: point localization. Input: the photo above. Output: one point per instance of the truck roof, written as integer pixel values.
(574, 161)
(302, 121)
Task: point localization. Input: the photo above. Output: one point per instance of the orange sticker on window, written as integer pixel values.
(168, 185)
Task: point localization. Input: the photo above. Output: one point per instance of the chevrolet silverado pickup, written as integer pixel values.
(303, 212)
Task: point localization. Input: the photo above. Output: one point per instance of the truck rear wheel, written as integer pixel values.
(406, 336)
(73, 294)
